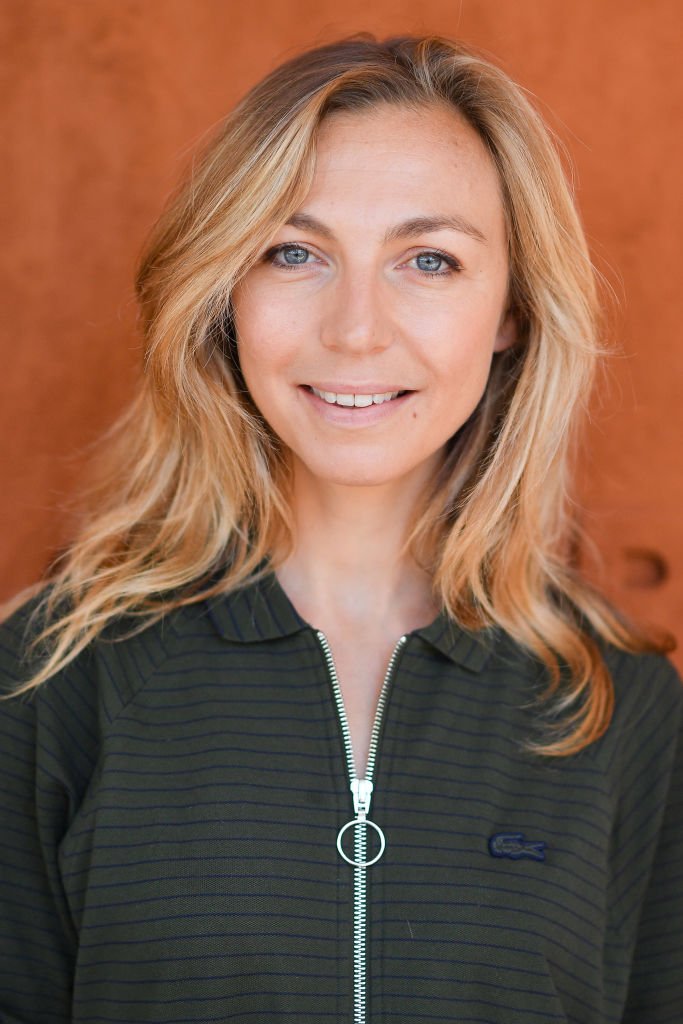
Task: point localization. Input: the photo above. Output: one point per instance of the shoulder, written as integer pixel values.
(643, 743)
(107, 673)
(645, 684)
(54, 732)
(19, 624)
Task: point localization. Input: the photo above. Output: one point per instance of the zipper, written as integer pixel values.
(361, 792)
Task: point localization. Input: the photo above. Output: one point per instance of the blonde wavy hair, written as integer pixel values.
(192, 497)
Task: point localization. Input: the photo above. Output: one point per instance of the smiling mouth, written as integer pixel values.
(358, 401)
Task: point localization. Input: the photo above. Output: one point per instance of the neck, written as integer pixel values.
(347, 565)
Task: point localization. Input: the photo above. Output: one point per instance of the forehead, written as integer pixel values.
(392, 160)
(439, 120)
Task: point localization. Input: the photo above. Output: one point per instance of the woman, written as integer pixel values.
(317, 719)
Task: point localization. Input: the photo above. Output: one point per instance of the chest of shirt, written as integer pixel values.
(208, 835)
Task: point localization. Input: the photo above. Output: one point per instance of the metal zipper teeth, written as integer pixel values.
(360, 843)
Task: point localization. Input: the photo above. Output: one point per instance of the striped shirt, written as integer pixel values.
(169, 819)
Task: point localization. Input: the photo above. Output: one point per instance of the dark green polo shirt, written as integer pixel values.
(170, 810)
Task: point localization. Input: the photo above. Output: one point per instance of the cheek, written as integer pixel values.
(267, 338)
(461, 358)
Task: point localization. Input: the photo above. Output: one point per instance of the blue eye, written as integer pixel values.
(299, 252)
(297, 256)
(433, 256)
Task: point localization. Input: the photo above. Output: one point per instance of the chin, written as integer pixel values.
(359, 472)
(358, 479)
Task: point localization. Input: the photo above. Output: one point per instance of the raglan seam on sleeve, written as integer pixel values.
(169, 652)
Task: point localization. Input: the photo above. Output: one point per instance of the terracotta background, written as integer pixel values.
(102, 102)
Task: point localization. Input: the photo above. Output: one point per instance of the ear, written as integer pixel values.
(507, 334)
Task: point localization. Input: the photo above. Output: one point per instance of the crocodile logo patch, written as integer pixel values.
(514, 846)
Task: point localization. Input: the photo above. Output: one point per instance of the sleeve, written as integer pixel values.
(37, 938)
(655, 994)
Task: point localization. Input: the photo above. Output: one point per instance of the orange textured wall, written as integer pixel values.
(101, 104)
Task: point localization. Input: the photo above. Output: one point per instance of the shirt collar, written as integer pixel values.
(261, 610)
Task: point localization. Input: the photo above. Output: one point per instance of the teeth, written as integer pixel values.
(359, 401)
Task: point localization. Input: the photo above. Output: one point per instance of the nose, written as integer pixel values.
(356, 315)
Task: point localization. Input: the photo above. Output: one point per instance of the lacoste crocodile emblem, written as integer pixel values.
(515, 846)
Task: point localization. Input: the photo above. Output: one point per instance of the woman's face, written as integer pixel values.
(367, 292)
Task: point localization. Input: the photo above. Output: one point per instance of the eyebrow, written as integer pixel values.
(405, 229)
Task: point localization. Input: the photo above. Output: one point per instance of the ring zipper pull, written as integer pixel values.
(362, 795)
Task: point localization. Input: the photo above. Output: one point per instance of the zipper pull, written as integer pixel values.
(361, 790)
(362, 795)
